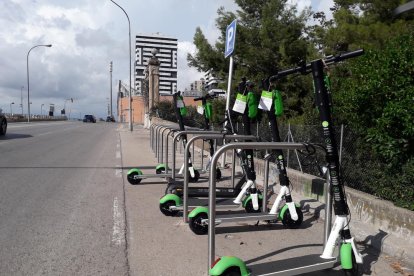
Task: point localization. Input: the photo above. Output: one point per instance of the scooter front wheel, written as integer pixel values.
(249, 207)
(289, 222)
(195, 178)
(348, 261)
(218, 174)
(196, 226)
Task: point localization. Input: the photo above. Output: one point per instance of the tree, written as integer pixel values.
(269, 38)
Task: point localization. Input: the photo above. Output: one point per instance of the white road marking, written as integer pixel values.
(118, 235)
(118, 173)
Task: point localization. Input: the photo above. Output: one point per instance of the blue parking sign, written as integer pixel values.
(230, 38)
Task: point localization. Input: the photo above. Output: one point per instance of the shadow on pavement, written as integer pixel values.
(12, 136)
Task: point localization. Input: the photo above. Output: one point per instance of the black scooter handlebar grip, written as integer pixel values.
(198, 99)
(344, 56)
(352, 54)
(284, 73)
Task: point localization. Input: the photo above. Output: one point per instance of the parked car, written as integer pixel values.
(110, 119)
(3, 123)
(89, 118)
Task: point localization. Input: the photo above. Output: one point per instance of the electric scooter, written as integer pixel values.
(348, 252)
(207, 112)
(245, 104)
(172, 203)
(176, 188)
(135, 175)
(290, 214)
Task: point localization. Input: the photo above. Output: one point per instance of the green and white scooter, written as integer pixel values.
(239, 195)
(135, 175)
(290, 214)
(339, 234)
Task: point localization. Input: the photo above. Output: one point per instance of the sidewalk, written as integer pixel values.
(160, 245)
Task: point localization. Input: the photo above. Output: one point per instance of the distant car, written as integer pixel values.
(89, 118)
(110, 119)
(3, 123)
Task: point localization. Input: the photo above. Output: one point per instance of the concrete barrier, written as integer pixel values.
(374, 222)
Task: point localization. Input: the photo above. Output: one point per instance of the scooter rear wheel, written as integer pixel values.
(160, 171)
(174, 189)
(132, 178)
(196, 226)
(165, 208)
(232, 271)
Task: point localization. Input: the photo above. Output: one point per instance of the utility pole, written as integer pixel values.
(110, 97)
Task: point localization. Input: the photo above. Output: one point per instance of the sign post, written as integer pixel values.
(229, 49)
(230, 43)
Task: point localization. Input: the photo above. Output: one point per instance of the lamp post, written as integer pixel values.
(130, 65)
(21, 98)
(28, 89)
(11, 110)
(41, 109)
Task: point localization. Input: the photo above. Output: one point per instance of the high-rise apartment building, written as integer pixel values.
(167, 55)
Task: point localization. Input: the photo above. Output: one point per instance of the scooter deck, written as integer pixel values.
(220, 192)
(242, 217)
(222, 203)
(161, 175)
(293, 266)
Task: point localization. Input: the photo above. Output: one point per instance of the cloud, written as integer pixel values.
(186, 75)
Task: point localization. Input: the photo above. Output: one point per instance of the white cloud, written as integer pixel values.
(186, 74)
(87, 35)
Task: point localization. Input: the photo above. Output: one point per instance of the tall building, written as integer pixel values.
(166, 53)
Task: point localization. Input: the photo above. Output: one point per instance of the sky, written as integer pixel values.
(86, 35)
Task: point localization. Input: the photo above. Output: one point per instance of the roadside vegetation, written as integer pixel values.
(373, 95)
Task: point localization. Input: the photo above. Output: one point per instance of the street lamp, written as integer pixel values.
(28, 89)
(41, 109)
(130, 65)
(11, 110)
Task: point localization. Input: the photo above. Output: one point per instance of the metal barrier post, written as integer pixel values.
(212, 184)
(186, 157)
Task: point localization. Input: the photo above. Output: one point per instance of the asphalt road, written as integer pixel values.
(62, 200)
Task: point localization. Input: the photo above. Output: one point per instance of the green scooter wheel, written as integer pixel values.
(249, 207)
(289, 222)
(232, 271)
(196, 226)
(133, 179)
(348, 262)
(165, 208)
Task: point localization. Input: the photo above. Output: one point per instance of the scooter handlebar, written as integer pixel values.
(305, 68)
(206, 97)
